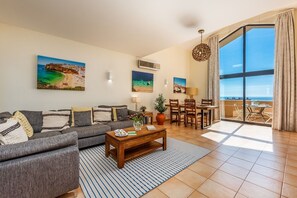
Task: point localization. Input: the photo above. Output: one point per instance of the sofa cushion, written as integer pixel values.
(5, 115)
(45, 135)
(24, 123)
(120, 124)
(35, 119)
(37, 146)
(102, 114)
(82, 118)
(122, 114)
(79, 109)
(113, 107)
(89, 131)
(11, 132)
(55, 120)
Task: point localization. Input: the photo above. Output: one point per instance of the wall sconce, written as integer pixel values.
(109, 76)
(166, 83)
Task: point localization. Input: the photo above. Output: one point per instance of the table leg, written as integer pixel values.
(210, 117)
(121, 156)
(107, 148)
(202, 119)
(164, 143)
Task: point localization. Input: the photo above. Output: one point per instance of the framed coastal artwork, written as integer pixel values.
(179, 85)
(142, 82)
(54, 73)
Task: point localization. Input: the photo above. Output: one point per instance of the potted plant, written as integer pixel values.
(142, 109)
(160, 107)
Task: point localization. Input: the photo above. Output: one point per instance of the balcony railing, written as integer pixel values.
(256, 112)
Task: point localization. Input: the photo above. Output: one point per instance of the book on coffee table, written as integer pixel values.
(132, 133)
(151, 127)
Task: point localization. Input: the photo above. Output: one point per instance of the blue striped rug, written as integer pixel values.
(100, 177)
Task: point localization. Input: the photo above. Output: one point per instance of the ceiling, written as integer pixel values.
(136, 27)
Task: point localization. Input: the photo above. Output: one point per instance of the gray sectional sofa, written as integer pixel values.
(87, 135)
(44, 167)
(48, 164)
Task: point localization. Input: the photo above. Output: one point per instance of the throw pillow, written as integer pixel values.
(24, 122)
(35, 119)
(102, 114)
(114, 111)
(79, 109)
(5, 115)
(11, 132)
(82, 118)
(55, 120)
(122, 114)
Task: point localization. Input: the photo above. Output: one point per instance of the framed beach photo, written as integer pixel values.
(179, 85)
(59, 74)
(142, 82)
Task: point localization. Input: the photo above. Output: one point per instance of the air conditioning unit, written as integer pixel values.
(148, 65)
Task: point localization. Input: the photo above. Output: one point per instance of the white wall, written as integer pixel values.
(175, 62)
(199, 77)
(19, 48)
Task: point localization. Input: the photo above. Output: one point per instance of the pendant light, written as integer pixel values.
(202, 51)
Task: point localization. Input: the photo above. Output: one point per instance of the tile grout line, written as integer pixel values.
(262, 175)
(286, 164)
(159, 190)
(229, 135)
(229, 156)
(249, 173)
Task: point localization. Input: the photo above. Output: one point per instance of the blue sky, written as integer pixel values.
(43, 60)
(180, 81)
(259, 56)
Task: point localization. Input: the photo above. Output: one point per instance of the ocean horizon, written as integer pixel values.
(247, 98)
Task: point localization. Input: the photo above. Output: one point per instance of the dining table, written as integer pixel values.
(203, 108)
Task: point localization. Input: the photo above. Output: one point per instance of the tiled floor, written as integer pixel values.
(246, 161)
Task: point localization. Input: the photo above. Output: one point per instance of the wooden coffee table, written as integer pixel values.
(132, 146)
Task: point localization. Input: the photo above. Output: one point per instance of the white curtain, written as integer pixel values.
(214, 75)
(285, 77)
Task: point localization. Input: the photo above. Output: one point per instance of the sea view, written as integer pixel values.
(248, 98)
(48, 77)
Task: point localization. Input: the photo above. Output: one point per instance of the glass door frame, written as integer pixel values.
(245, 74)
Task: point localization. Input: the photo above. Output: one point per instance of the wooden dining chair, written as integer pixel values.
(206, 102)
(191, 115)
(176, 114)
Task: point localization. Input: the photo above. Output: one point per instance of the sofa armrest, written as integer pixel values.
(12, 151)
(131, 112)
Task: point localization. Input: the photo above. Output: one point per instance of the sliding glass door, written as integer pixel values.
(246, 74)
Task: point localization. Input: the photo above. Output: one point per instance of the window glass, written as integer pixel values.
(259, 88)
(231, 54)
(259, 48)
(231, 89)
(231, 98)
(258, 54)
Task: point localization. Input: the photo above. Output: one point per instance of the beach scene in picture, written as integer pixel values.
(53, 73)
(179, 85)
(142, 82)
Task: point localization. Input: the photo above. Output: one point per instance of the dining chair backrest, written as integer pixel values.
(207, 101)
(190, 107)
(174, 105)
